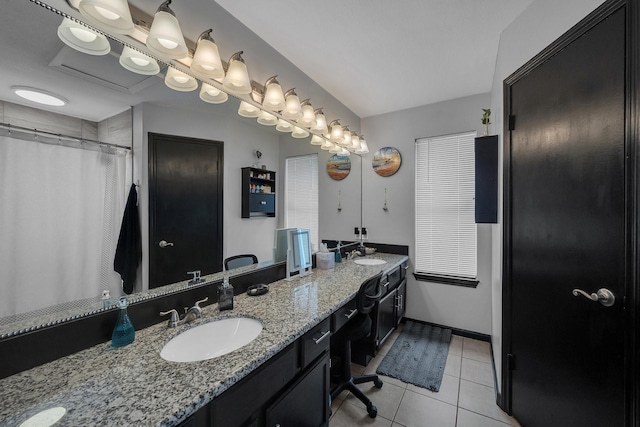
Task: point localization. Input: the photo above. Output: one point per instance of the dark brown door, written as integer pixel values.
(565, 230)
(185, 207)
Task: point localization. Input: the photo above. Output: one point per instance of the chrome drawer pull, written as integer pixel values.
(351, 314)
(406, 267)
(263, 202)
(386, 284)
(324, 335)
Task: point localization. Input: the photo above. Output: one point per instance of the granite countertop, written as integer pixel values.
(134, 385)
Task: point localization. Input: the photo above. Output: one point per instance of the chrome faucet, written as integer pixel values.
(196, 278)
(191, 314)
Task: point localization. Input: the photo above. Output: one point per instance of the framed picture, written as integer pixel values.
(338, 167)
(386, 161)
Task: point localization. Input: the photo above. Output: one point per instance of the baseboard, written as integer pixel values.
(457, 331)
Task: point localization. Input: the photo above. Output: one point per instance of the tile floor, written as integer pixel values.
(466, 397)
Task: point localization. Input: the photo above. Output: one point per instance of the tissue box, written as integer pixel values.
(325, 260)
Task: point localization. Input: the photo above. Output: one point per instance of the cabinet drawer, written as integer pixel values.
(315, 341)
(262, 202)
(343, 315)
(403, 270)
(394, 277)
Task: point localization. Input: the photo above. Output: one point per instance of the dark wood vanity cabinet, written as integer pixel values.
(258, 192)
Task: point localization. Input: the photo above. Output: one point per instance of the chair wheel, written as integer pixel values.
(377, 383)
(372, 410)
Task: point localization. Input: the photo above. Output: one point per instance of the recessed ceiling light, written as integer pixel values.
(40, 96)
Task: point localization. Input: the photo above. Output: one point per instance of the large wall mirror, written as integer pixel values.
(104, 97)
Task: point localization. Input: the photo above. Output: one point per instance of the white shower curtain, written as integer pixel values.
(60, 215)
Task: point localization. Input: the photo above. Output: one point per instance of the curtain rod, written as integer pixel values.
(60, 136)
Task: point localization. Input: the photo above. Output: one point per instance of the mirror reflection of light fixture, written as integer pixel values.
(138, 62)
(206, 59)
(346, 137)
(273, 96)
(111, 15)
(177, 80)
(284, 126)
(293, 109)
(212, 95)
(308, 118)
(355, 141)
(327, 145)
(316, 140)
(82, 39)
(320, 125)
(165, 36)
(248, 110)
(344, 152)
(40, 96)
(299, 133)
(337, 133)
(267, 119)
(336, 149)
(237, 78)
(364, 148)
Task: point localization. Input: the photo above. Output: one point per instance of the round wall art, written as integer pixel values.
(386, 161)
(338, 167)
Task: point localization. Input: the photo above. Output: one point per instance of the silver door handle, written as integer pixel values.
(164, 244)
(604, 296)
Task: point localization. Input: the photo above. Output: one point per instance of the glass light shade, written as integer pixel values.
(111, 15)
(299, 133)
(316, 140)
(267, 119)
(165, 37)
(273, 96)
(248, 110)
(355, 141)
(206, 59)
(337, 134)
(344, 152)
(335, 149)
(284, 126)
(327, 145)
(346, 138)
(320, 124)
(237, 78)
(138, 62)
(292, 109)
(83, 39)
(177, 80)
(364, 148)
(212, 95)
(308, 118)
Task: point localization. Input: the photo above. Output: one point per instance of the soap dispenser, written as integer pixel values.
(225, 295)
(124, 333)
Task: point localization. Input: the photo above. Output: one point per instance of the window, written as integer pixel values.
(301, 194)
(445, 209)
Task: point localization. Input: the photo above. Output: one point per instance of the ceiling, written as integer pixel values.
(379, 56)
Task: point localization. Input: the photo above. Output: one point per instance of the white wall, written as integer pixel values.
(454, 306)
(537, 27)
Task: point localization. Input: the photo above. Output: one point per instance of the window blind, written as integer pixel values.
(446, 232)
(301, 194)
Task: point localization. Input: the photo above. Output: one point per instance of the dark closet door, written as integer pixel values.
(185, 207)
(565, 230)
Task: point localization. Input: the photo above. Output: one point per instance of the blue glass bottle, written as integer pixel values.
(123, 333)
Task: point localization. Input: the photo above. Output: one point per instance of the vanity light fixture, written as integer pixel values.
(273, 96)
(206, 59)
(299, 132)
(212, 95)
(293, 109)
(320, 125)
(346, 137)
(355, 141)
(316, 140)
(308, 118)
(237, 78)
(83, 39)
(165, 36)
(248, 110)
(40, 96)
(327, 145)
(138, 62)
(364, 149)
(337, 134)
(267, 119)
(344, 152)
(284, 126)
(336, 149)
(177, 80)
(112, 15)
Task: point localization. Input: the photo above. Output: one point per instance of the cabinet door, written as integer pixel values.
(306, 403)
(386, 317)
(401, 306)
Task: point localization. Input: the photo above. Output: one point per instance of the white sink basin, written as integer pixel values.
(369, 261)
(211, 339)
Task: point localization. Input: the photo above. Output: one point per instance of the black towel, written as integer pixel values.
(129, 249)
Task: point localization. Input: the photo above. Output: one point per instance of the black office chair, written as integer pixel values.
(240, 261)
(357, 328)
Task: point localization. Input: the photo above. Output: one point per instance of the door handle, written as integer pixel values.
(164, 244)
(604, 296)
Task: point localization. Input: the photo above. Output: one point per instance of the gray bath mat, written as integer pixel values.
(418, 356)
